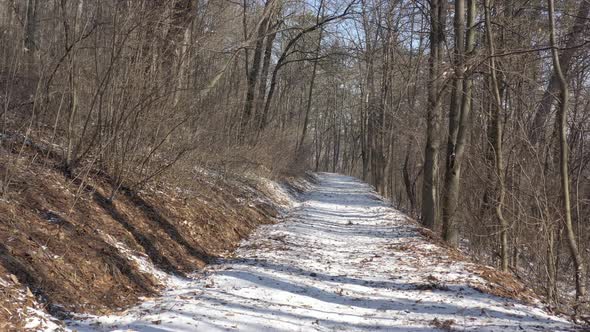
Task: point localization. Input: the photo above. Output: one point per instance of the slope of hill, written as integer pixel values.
(65, 247)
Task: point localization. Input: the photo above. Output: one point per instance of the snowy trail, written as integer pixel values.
(342, 261)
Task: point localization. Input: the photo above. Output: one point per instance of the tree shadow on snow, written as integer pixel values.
(306, 279)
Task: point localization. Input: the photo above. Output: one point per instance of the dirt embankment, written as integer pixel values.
(64, 247)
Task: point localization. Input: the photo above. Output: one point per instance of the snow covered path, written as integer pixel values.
(342, 261)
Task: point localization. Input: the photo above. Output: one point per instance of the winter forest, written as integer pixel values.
(470, 116)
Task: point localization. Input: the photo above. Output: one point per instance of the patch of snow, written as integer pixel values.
(36, 318)
(142, 261)
(280, 196)
(39, 320)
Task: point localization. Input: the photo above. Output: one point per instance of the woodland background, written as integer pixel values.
(471, 115)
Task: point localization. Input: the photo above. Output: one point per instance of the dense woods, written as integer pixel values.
(472, 116)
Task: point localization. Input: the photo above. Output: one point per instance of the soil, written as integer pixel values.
(58, 236)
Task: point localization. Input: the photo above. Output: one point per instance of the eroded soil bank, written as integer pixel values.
(64, 247)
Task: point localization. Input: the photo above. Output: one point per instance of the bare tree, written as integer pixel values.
(431, 168)
(497, 139)
(561, 123)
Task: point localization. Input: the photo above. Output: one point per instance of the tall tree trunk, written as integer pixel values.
(431, 151)
(318, 144)
(245, 32)
(31, 34)
(379, 146)
(458, 119)
(561, 121)
(497, 140)
(263, 84)
(70, 156)
(299, 148)
(254, 72)
(408, 183)
(365, 153)
(574, 38)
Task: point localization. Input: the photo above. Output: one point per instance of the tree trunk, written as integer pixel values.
(254, 72)
(31, 34)
(458, 120)
(299, 148)
(574, 38)
(561, 121)
(431, 151)
(497, 141)
(262, 85)
(408, 183)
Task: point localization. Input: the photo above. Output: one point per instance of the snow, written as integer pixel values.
(37, 319)
(143, 263)
(342, 260)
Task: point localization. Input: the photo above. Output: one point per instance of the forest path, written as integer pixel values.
(344, 260)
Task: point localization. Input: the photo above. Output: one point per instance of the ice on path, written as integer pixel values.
(342, 261)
